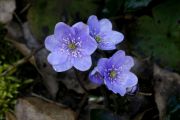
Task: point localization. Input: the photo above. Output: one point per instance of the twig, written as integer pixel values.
(48, 100)
(25, 8)
(80, 82)
(19, 62)
(144, 94)
(18, 18)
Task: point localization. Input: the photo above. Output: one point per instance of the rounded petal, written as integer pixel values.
(105, 25)
(115, 87)
(89, 45)
(62, 31)
(120, 60)
(95, 77)
(132, 90)
(106, 46)
(51, 43)
(102, 63)
(113, 37)
(63, 66)
(117, 56)
(124, 80)
(56, 58)
(119, 53)
(132, 80)
(83, 63)
(120, 89)
(93, 24)
(80, 28)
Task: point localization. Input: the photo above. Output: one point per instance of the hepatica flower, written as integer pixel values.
(115, 72)
(70, 47)
(96, 77)
(101, 31)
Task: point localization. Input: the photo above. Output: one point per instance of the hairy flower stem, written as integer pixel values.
(80, 82)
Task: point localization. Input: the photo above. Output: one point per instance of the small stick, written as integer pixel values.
(18, 18)
(47, 100)
(19, 62)
(25, 8)
(144, 94)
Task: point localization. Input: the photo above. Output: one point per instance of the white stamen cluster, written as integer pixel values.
(113, 70)
(75, 51)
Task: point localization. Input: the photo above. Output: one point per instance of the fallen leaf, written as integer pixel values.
(167, 84)
(10, 116)
(7, 8)
(32, 108)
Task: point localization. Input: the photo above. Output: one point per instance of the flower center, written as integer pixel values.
(72, 46)
(98, 39)
(113, 74)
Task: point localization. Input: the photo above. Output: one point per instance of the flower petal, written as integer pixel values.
(120, 60)
(80, 27)
(95, 76)
(83, 63)
(120, 89)
(117, 56)
(62, 31)
(131, 80)
(56, 58)
(51, 43)
(115, 87)
(113, 37)
(89, 45)
(106, 46)
(105, 25)
(63, 66)
(119, 53)
(132, 90)
(102, 65)
(94, 25)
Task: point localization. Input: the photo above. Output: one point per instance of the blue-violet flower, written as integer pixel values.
(70, 47)
(101, 31)
(115, 72)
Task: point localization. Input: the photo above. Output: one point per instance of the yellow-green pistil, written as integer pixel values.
(98, 39)
(72, 46)
(113, 74)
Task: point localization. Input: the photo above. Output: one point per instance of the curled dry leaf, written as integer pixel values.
(7, 8)
(10, 116)
(167, 84)
(32, 108)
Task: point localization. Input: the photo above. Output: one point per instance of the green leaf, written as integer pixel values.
(135, 4)
(159, 36)
(43, 15)
(82, 8)
(112, 7)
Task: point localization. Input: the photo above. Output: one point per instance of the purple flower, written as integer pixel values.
(115, 72)
(132, 90)
(96, 77)
(102, 32)
(70, 46)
